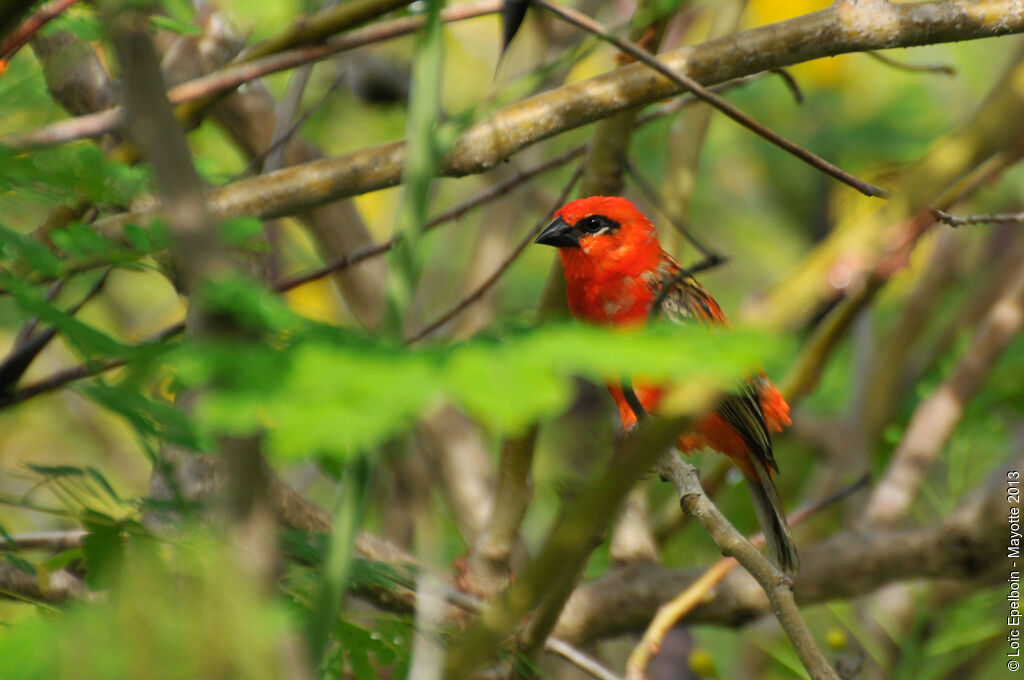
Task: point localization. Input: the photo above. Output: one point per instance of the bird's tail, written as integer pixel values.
(768, 507)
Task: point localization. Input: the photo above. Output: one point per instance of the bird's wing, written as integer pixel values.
(685, 301)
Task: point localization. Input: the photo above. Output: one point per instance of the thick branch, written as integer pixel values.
(842, 28)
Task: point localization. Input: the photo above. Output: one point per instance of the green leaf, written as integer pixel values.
(176, 26)
(56, 471)
(240, 231)
(102, 553)
(19, 562)
(148, 416)
(80, 24)
(251, 304)
(505, 388)
(88, 339)
(338, 401)
(15, 246)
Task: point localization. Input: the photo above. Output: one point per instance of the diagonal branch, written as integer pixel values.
(230, 77)
(842, 28)
(732, 543)
(684, 80)
(479, 291)
(965, 546)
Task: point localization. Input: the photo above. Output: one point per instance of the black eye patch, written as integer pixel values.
(596, 224)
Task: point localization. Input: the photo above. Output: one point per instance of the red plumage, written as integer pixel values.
(615, 269)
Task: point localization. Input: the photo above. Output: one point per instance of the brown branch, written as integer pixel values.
(776, 585)
(942, 69)
(966, 546)
(11, 13)
(202, 259)
(671, 613)
(841, 28)
(684, 80)
(570, 542)
(230, 77)
(44, 15)
(478, 293)
(54, 541)
(959, 221)
(52, 587)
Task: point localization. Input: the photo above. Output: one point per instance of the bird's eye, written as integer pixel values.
(597, 224)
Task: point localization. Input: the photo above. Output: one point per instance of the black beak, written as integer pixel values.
(559, 234)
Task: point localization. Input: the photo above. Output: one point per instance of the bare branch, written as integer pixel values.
(955, 221)
(493, 278)
(965, 546)
(15, 41)
(775, 584)
(579, 659)
(53, 587)
(841, 28)
(714, 100)
(942, 69)
(672, 612)
(46, 540)
(230, 77)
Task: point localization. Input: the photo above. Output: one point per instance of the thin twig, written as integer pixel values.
(102, 122)
(640, 54)
(790, 81)
(579, 659)
(55, 541)
(19, 38)
(14, 365)
(479, 291)
(959, 221)
(652, 197)
(919, 68)
(673, 611)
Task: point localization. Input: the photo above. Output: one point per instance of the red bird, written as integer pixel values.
(615, 269)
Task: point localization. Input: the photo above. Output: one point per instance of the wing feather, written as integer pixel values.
(687, 301)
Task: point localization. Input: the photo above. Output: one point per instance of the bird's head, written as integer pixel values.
(606, 231)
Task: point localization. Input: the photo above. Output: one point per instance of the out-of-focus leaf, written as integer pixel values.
(12, 557)
(158, 619)
(148, 416)
(251, 305)
(102, 553)
(332, 394)
(175, 26)
(240, 231)
(88, 339)
(504, 387)
(338, 401)
(15, 246)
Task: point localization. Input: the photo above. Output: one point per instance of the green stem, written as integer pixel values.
(422, 161)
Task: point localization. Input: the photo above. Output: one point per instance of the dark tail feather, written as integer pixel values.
(768, 506)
